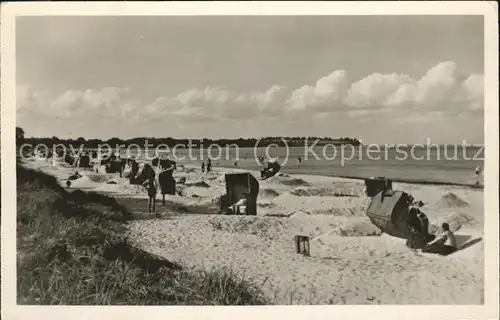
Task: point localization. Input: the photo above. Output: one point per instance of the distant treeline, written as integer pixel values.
(171, 142)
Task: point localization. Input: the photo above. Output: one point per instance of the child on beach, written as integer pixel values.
(151, 187)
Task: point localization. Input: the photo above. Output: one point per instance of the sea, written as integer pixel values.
(447, 164)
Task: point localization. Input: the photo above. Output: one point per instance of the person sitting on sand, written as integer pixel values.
(444, 244)
(240, 206)
(75, 176)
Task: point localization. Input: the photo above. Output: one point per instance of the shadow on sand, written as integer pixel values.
(139, 209)
(465, 242)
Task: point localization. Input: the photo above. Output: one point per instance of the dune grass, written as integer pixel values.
(72, 250)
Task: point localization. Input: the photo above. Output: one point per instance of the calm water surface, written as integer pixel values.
(451, 164)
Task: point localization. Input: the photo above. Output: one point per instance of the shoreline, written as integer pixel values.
(356, 178)
(418, 182)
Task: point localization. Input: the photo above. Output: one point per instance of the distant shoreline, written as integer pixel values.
(398, 180)
(421, 182)
(195, 144)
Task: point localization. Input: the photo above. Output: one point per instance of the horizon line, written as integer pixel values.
(347, 139)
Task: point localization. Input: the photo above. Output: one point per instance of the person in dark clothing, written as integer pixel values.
(203, 166)
(209, 165)
(418, 229)
(151, 187)
(167, 181)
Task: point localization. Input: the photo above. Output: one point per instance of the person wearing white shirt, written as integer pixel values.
(444, 244)
(240, 206)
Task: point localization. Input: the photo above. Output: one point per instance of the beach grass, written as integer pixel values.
(72, 250)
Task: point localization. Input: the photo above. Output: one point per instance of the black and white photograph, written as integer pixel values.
(215, 159)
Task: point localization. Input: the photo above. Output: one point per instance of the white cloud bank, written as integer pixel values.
(443, 89)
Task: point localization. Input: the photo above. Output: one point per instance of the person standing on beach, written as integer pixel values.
(209, 165)
(152, 189)
(477, 172)
(203, 166)
(418, 227)
(167, 181)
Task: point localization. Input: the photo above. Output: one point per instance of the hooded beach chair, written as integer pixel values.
(389, 211)
(239, 186)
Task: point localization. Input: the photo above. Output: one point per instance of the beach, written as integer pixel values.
(351, 261)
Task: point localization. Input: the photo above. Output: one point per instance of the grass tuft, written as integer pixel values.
(72, 251)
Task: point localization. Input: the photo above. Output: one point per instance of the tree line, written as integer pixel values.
(171, 142)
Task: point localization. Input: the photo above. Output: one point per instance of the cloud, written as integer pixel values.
(110, 101)
(105, 102)
(375, 90)
(443, 87)
(325, 93)
(216, 103)
(444, 93)
(29, 100)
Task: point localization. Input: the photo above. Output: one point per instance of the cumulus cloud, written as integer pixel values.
(443, 87)
(29, 100)
(109, 101)
(375, 90)
(325, 93)
(216, 102)
(443, 92)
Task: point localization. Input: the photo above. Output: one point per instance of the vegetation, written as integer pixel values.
(171, 142)
(19, 135)
(72, 249)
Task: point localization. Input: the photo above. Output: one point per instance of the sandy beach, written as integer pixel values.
(351, 262)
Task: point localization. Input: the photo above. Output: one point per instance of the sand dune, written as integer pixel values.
(451, 200)
(351, 261)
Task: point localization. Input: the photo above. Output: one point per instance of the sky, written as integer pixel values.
(381, 79)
